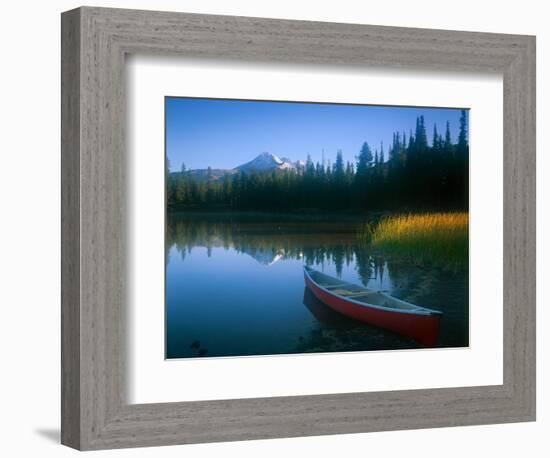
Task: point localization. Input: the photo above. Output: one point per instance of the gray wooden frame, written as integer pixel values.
(95, 413)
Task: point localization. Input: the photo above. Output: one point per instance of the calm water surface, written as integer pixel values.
(234, 286)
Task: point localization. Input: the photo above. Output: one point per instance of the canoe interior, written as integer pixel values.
(359, 293)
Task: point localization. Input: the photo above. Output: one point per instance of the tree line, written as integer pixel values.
(416, 175)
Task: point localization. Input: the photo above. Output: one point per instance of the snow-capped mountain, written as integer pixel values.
(266, 162)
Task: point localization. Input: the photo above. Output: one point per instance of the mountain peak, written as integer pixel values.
(271, 157)
(264, 162)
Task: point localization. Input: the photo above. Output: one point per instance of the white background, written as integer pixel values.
(155, 380)
(29, 238)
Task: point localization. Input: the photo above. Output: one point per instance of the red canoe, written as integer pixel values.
(375, 307)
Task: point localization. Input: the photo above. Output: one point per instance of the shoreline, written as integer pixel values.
(304, 215)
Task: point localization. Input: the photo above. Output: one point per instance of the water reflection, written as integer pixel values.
(235, 285)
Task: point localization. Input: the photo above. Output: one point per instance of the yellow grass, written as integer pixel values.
(440, 238)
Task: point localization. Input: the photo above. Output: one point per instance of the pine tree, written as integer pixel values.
(421, 141)
(448, 146)
(310, 168)
(227, 190)
(462, 146)
(411, 141)
(349, 172)
(435, 140)
(320, 171)
(339, 171)
(364, 160)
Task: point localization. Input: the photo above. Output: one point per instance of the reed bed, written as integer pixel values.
(440, 238)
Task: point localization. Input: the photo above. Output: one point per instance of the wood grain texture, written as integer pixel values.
(96, 414)
(70, 229)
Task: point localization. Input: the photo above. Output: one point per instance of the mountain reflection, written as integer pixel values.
(269, 241)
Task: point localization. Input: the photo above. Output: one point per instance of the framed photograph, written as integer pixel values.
(343, 230)
(280, 228)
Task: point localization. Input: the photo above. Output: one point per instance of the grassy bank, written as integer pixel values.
(440, 238)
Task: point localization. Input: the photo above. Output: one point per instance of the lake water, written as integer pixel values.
(235, 287)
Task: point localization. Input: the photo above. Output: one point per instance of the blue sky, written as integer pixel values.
(226, 133)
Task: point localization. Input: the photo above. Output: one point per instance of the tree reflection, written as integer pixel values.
(266, 241)
(314, 243)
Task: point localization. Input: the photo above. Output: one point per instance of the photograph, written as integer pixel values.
(296, 227)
